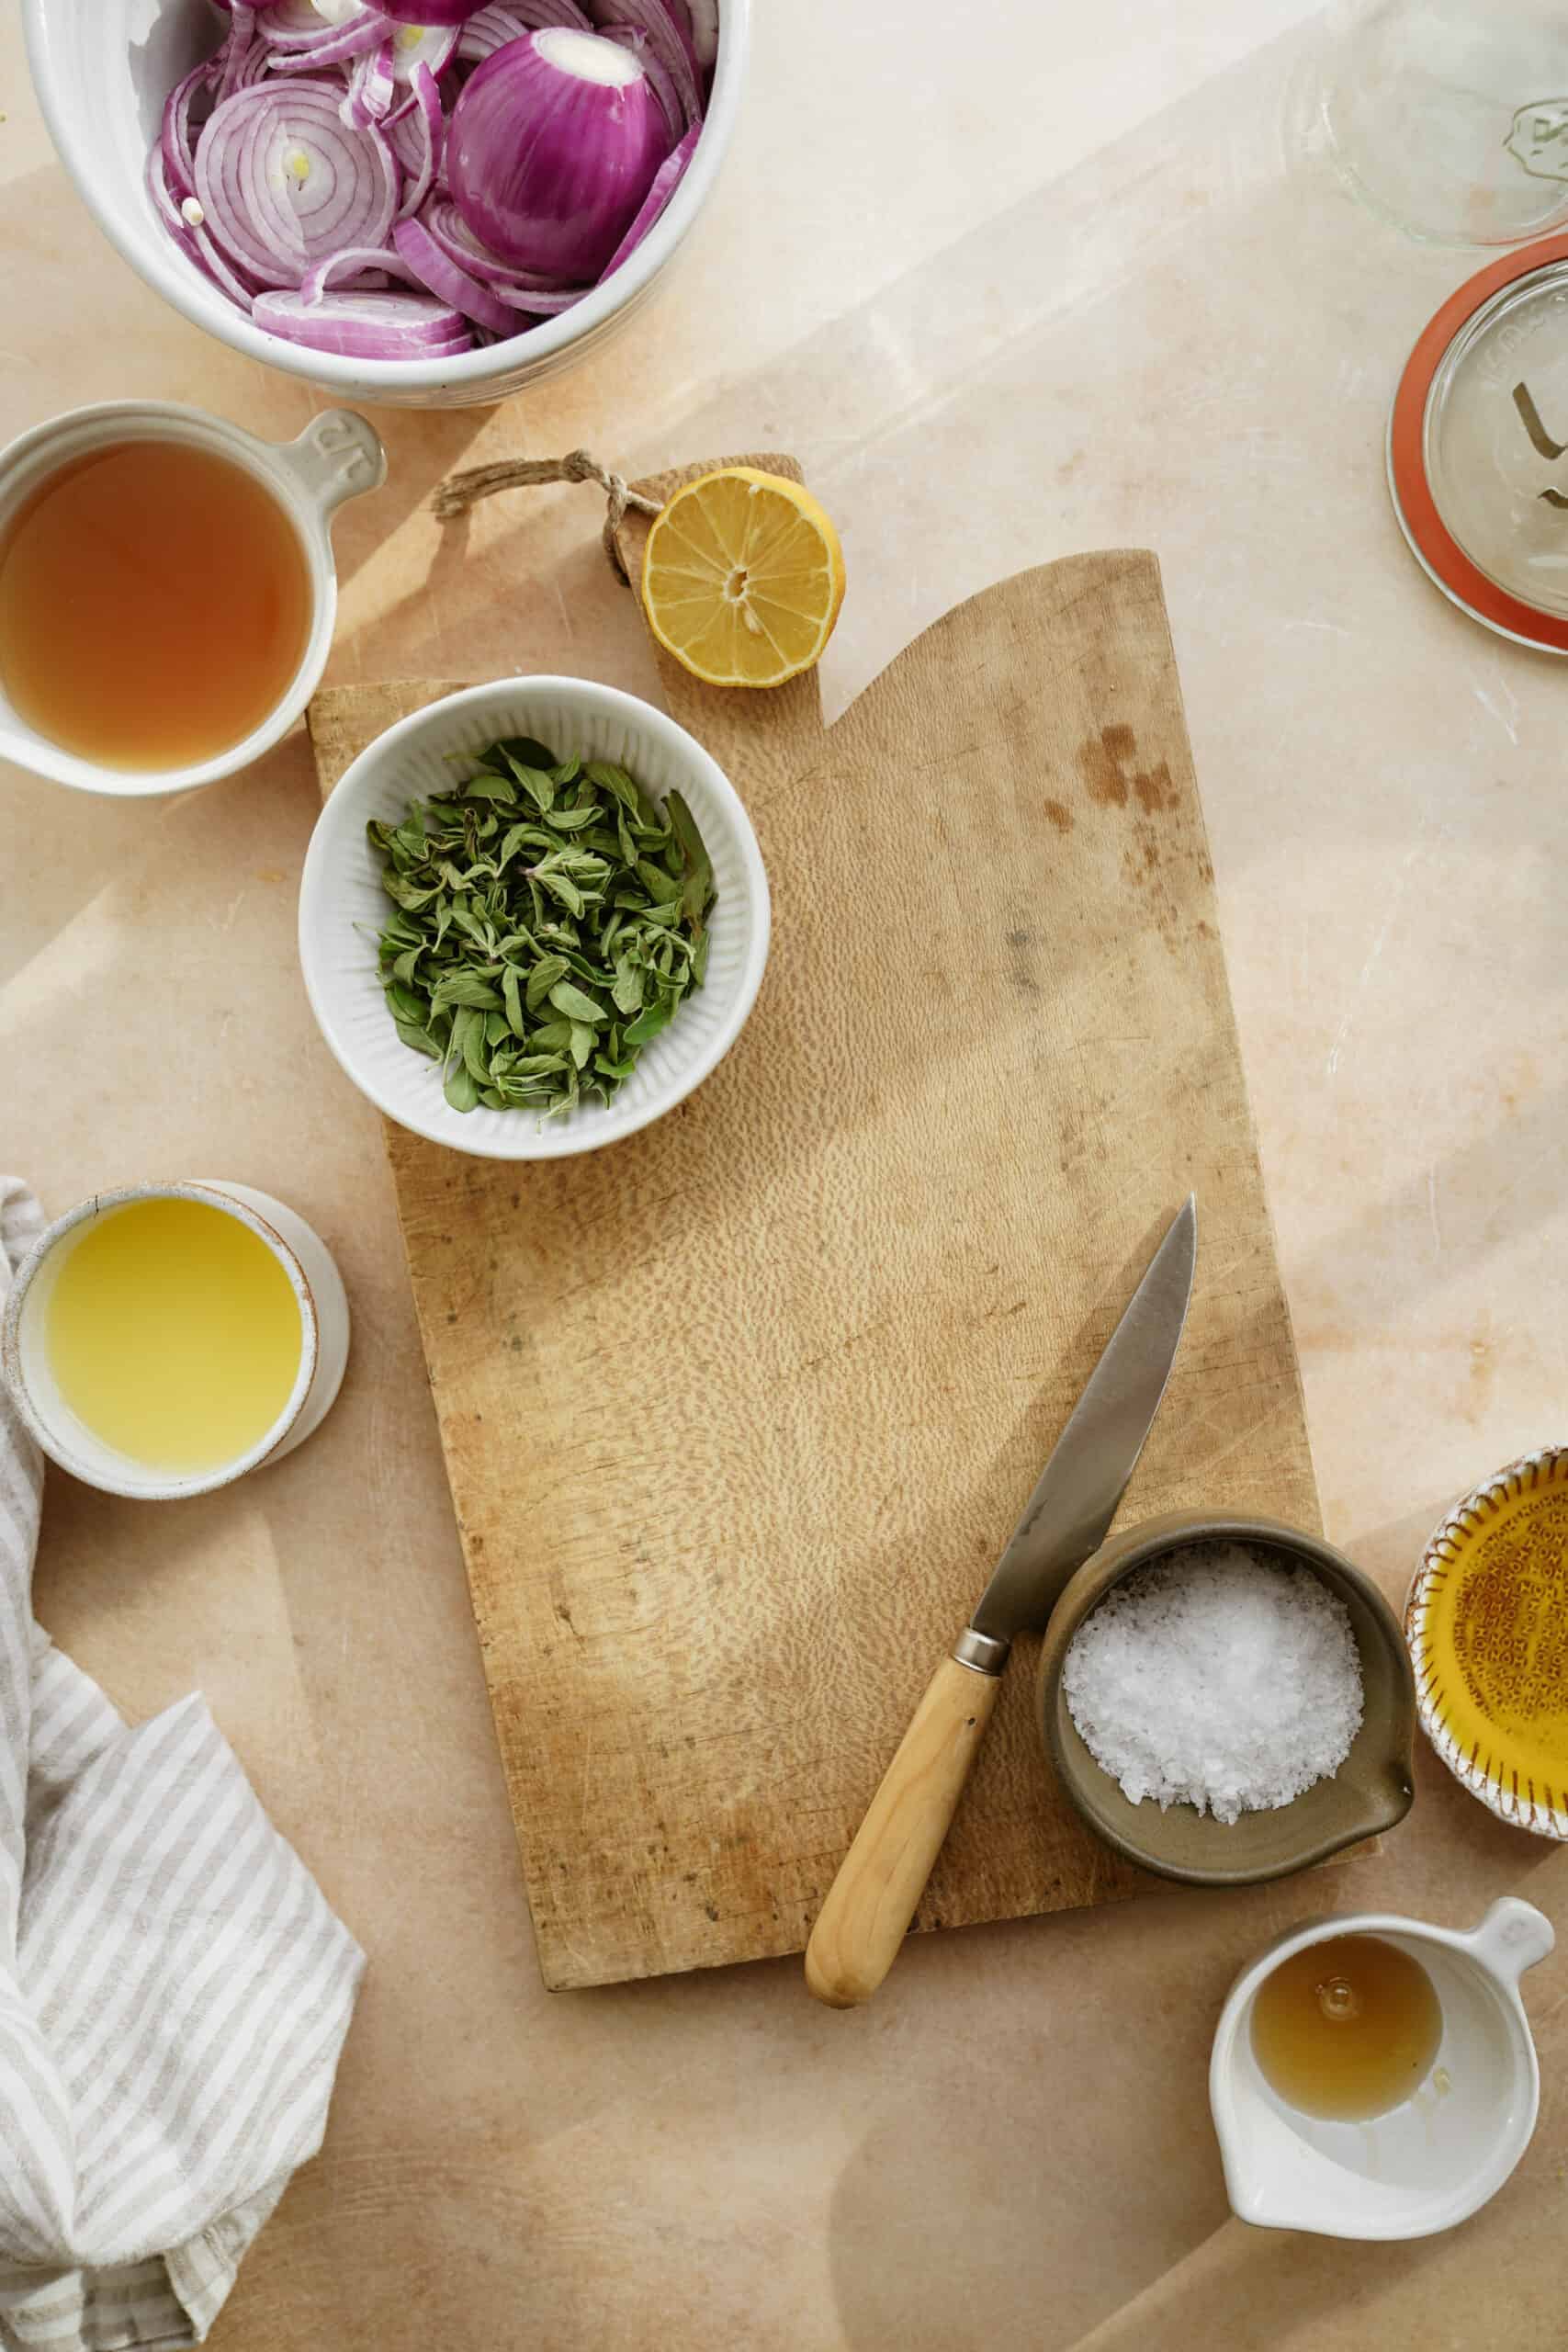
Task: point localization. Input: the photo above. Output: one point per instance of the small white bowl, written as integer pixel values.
(343, 909)
(1425, 2164)
(102, 70)
(323, 1351)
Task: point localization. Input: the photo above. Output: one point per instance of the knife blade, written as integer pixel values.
(880, 1881)
(1070, 1511)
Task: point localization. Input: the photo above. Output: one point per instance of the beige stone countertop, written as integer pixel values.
(1009, 283)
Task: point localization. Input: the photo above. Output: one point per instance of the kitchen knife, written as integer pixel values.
(883, 1876)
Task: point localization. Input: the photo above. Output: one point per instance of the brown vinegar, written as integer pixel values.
(155, 603)
(1346, 2028)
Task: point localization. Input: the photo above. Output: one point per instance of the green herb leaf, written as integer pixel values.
(648, 1025)
(463, 988)
(575, 1005)
(542, 977)
(461, 1088)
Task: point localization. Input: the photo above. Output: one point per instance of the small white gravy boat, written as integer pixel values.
(336, 457)
(1427, 2164)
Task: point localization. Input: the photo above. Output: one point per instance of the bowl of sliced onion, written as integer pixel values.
(422, 203)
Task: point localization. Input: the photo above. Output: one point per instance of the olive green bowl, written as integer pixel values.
(1371, 1791)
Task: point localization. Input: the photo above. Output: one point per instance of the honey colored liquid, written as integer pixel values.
(1496, 1640)
(1346, 2028)
(174, 1334)
(155, 604)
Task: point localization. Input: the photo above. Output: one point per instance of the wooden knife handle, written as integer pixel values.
(883, 1876)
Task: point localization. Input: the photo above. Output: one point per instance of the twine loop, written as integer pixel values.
(461, 492)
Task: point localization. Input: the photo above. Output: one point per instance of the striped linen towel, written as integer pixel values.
(174, 1989)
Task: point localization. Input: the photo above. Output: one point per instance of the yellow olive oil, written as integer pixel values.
(1495, 1636)
(174, 1333)
(1346, 2028)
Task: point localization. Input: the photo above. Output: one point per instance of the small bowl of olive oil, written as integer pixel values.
(1486, 1621)
(161, 1340)
(1375, 2076)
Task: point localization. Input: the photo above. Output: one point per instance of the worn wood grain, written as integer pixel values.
(738, 1414)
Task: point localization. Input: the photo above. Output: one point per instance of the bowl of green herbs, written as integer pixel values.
(534, 917)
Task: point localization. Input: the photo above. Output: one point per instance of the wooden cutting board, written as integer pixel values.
(738, 1414)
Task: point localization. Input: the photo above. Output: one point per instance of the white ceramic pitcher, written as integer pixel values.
(1427, 2164)
(335, 458)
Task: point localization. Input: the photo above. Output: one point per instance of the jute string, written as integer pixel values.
(461, 492)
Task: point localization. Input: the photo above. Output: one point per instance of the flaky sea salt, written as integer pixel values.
(1218, 1678)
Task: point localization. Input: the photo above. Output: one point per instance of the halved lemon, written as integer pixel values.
(743, 578)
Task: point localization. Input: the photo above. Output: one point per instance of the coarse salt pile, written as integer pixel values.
(1217, 1678)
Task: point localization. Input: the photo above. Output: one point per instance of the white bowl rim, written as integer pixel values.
(155, 1488)
(160, 265)
(535, 1141)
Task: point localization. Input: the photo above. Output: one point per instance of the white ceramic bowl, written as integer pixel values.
(323, 1340)
(343, 909)
(1425, 2165)
(103, 69)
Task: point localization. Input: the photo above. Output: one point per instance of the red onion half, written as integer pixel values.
(553, 146)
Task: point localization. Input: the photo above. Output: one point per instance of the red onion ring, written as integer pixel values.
(372, 88)
(192, 237)
(252, 188)
(295, 26)
(365, 325)
(457, 240)
(174, 137)
(417, 142)
(437, 271)
(666, 180)
(365, 261)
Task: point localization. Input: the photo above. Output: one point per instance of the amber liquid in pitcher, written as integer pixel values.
(1346, 2028)
(155, 603)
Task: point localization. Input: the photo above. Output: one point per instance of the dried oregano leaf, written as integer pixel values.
(550, 916)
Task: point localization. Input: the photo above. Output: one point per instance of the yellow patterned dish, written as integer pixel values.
(1487, 1625)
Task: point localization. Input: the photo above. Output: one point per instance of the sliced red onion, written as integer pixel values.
(284, 181)
(536, 301)
(430, 12)
(453, 234)
(417, 142)
(372, 88)
(176, 143)
(365, 325)
(432, 46)
(236, 49)
(666, 180)
(190, 234)
(704, 15)
(300, 52)
(367, 263)
(552, 147)
(441, 274)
